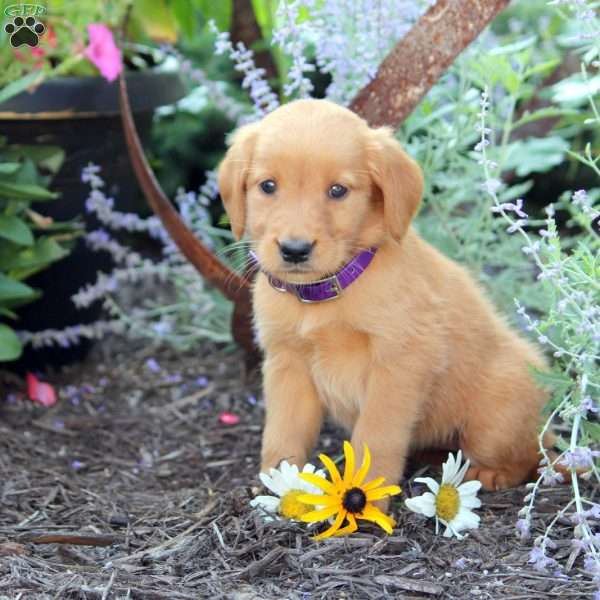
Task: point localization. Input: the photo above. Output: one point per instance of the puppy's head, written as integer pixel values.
(312, 185)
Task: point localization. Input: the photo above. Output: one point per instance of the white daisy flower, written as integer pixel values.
(286, 484)
(451, 501)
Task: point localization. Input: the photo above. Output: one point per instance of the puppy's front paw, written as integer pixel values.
(269, 463)
(271, 459)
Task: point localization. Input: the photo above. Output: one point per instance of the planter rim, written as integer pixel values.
(63, 98)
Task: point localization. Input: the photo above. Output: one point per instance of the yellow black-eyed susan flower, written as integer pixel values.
(347, 499)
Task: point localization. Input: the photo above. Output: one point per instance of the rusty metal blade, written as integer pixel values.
(420, 58)
(208, 265)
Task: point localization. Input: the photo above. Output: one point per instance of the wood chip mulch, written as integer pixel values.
(131, 487)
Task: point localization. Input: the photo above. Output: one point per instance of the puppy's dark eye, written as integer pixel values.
(268, 186)
(337, 191)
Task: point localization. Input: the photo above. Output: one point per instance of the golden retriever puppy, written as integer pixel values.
(403, 349)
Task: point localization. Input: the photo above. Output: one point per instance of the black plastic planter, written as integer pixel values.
(81, 115)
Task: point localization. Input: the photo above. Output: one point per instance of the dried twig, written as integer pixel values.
(109, 585)
(259, 566)
(409, 585)
(12, 549)
(75, 540)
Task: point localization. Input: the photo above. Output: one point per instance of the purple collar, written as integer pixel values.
(328, 288)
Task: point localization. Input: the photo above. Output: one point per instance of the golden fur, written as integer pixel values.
(412, 355)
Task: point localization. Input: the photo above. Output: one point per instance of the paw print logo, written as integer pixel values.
(596, 225)
(24, 31)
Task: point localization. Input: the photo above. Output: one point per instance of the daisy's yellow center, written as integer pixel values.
(290, 507)
(447, 502)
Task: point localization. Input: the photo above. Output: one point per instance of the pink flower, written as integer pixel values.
(228, 418)
(40, 392)
(50, 37)
(103, 52)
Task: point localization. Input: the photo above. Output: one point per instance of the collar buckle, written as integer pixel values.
(334, 288)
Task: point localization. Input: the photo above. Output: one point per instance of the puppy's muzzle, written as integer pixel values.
(295, 251)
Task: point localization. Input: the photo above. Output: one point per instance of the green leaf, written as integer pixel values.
(553, 379)
(27, 173)
(575, 90)
(50, 158)
(264, 12)
(31, 260)
(542, 67)
(544, 113)
(8, 168)
(10, 346)
(510, 49)
(5, 312)
(515, 191)
(18, 86)
(536, 155)
(496, 69)
(186, 17)
(16, 230)
(73, 228)
(10, 289)
(220, 12)
(25, 191)
(592, 429)
(156, 20)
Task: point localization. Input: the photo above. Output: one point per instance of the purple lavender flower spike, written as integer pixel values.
(152, 365)
(579, 458)
(539, 560)
(591, 563)
(588, 405)
(523, 527)
(263, 98)
(594, 512)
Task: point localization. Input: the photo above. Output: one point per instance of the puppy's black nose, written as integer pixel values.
(295, 251)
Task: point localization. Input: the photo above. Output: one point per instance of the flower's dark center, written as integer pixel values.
(354, 500)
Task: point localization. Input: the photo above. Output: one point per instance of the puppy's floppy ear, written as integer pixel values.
(398, 177)
(233, 172)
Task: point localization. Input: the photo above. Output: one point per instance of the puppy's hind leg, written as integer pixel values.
(500, 436)
(499, 478)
